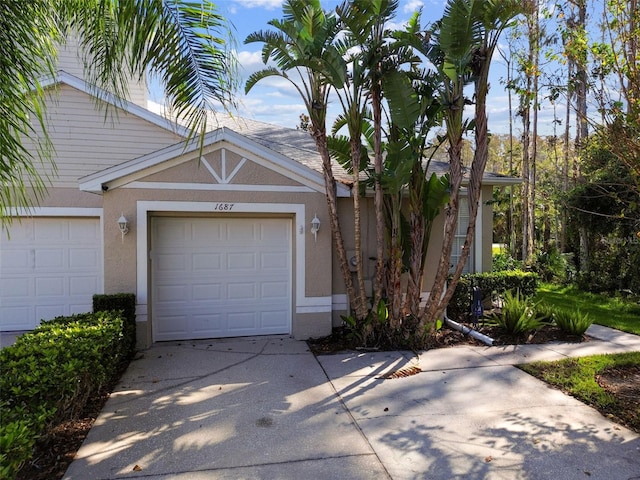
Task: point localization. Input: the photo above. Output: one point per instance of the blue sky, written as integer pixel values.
(274, 100)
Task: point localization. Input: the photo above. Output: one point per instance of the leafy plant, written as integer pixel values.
(491, 284)
(504, 261)
(518, 314)
(545, 312)
(48, 376)
(572, 322)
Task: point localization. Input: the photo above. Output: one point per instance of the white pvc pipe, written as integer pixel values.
(468, 331)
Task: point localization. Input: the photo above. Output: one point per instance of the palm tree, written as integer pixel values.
(303, 50)
(465, 40)
(180, 42)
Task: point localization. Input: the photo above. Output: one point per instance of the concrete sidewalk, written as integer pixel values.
(266, 408)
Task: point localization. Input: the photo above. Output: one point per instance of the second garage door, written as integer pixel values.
(220, 277)
(49, 266)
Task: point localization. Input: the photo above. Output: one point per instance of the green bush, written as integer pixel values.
(518, 314)
(492, 284)
(553, 266)
(49, 374)
(503, 262)
(572, 322)
(126, 303)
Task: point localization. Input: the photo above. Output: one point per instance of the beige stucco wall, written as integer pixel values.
(345, 206)
(195, 171)
(120, 255)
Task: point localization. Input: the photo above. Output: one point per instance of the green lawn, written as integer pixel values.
(577, 377)
(604, 310)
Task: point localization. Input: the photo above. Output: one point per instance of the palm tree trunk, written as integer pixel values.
(378, 199)
(320, 137)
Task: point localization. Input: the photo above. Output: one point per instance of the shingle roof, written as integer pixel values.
(300, 146)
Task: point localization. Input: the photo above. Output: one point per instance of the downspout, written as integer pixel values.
(468, 331)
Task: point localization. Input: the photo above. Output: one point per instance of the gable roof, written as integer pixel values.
(132, 170)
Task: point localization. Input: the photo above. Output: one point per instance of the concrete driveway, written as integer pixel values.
(266, 408)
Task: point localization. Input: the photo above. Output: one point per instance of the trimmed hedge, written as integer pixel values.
(49, 374)
(491, 284)
(126, 303)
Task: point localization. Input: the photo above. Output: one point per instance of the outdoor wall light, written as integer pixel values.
(123, 225)
(315, 227)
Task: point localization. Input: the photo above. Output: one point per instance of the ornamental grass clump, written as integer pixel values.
(518, 315)
(572, 322)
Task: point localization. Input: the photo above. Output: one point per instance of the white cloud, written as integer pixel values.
(412, 5)
(267, 4)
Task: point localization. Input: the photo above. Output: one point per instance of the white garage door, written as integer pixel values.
(220, 277)
(49, 267)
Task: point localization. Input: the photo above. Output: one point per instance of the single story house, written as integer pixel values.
(212, 245)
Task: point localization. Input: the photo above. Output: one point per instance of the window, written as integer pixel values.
(461, 232)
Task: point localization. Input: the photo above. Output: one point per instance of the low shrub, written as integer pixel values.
(572, 322)
(518, 315)
(492, 284)
(49, 374)
(126, 303)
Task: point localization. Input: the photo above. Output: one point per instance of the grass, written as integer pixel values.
(577, 377)
(609, 311)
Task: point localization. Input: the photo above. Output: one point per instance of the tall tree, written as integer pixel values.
(302, 47)
(465, 41)
(178, 41)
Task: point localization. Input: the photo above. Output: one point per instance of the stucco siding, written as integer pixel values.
(236, 171)
(87, 139)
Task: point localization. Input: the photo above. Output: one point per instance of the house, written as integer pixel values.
(212, 245)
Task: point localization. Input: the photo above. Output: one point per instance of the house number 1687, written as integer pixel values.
(223, 207)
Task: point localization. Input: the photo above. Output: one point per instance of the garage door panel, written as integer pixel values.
(273, 320)
(12, 287)
(203, 234)
(17, 317)
(175, 262)
(172, 293)
(49, 259)
(17, 259)
(44, 312)
(84, 232)
(50, 286)
(83, 286)
(237, 277)
(208, 324)
(172, 326)
(274, 290)
(48, 267)
(241, 291)
(243, 233)
(80, 308)
(271, 233)
(82, 259)
(47, 229)
(241, 261)
(211, 291)
(206, 261)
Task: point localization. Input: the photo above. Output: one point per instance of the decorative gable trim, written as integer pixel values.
(220, 139)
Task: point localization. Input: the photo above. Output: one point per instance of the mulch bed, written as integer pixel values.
(340, 341)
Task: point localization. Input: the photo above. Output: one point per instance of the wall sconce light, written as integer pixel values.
(123, 225)
(315, 227)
